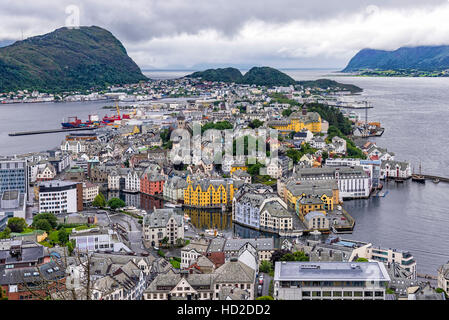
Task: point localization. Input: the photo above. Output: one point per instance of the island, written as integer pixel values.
(421, 61)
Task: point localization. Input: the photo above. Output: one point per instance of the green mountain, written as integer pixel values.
(426, 58)
(220, 74)
(263, 76)
(266, 76)
(67, 59)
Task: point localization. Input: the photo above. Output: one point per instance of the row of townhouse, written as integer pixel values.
(206, 279)
(260, 208)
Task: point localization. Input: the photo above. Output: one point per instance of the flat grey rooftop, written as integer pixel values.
(330, 271)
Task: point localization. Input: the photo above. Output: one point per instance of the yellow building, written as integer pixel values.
(298, 121)
(208, 192)
(313, 202)
(328, 193)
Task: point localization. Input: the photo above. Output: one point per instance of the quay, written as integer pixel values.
(429, 177)
(27, 133)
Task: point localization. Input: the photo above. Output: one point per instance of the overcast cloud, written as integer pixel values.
(199, 33)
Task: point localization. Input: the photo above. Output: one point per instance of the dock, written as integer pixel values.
(441, 179)
(27, 133)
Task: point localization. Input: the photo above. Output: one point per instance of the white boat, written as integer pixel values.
(315, 233)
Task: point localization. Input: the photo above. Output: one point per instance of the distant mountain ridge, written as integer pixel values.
(67, 59)
(266, 76)
(427, 58)
(263, 76)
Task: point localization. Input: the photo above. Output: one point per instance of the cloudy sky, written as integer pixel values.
(194, 34)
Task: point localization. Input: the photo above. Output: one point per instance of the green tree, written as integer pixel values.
(5, 234)
(265, 266)
(115, 203)
(17, 224)
(164, 241)
(361, 260)
(50, 217)
(300, 256)
(43, 224)
(256, 123)
(99, 201)
(63, 236)
(265, 298)
(70, 246)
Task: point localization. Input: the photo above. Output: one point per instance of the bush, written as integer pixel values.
(17, 224)
(50, 217)
(99, 201)
(43, 224)
(265, 298)
(265, 266)
(115, 203)
(161, 253)
(63, 236)
(5, 234)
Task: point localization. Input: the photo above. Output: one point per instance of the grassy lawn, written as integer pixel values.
(46, 244)
(175, 264)
(27, 230)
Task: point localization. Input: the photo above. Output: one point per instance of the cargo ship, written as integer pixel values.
(74, 122)
(94, 120)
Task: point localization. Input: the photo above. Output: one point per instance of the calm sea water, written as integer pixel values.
(414, 112)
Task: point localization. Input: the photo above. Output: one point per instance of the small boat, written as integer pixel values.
(315, 233)
(436, 180)
(399, 180)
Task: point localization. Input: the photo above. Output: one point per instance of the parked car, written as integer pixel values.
(260, 281)
(156, 248)
(259, 290)
(261, 276)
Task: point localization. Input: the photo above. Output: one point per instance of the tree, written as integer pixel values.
(164, 241)
(63, 236)
(256, 123)
(43, 224)
(50, 217)
(265, 298)
(5, 234)
(99, 201)
(115, 203)
(361, 260)
(17, 224)
(265, 266)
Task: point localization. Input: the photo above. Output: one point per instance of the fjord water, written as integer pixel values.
(415, 114)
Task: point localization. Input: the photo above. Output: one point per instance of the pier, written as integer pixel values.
(429, 177)
(27, 133)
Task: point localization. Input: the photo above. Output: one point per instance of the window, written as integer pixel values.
(347, 293)
(357, 293)
(337, 293)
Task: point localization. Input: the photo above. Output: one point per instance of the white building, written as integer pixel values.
(73, 146)
(97, 240)
(60, 197)
(160, 224)
(395, 169)
(330, 280)
(132, 181)
(339, 144)
(90, 191)
(353, 182)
